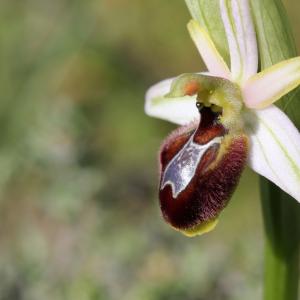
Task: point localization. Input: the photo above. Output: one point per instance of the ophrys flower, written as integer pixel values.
(228, 119)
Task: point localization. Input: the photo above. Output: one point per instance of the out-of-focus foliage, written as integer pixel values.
(79, 217)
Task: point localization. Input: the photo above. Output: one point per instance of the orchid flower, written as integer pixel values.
(227, 120)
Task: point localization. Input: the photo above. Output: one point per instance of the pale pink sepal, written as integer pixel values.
(239, 28)
(275, 149)
(271, 84)
(209, 53)
(181, 110)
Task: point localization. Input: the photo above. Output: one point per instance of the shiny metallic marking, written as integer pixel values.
(181, 169)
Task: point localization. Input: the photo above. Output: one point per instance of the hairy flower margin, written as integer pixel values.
(274, 142)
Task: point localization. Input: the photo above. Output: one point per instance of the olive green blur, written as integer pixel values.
(79, 215)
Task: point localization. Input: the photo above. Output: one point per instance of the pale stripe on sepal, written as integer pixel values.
(241, 38)
(275, 149)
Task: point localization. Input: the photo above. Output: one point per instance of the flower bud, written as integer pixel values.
(200, 168)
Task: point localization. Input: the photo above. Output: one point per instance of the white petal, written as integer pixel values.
(241, 38)
(271, 84)
(275, 149)
(208, 51)
(181, 110)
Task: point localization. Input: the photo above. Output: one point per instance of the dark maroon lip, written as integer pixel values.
(213, 177)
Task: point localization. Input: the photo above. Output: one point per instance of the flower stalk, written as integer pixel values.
(280, 212)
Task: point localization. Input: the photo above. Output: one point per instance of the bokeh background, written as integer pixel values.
(79, 216)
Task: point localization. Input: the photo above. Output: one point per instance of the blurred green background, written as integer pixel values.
(79, 216)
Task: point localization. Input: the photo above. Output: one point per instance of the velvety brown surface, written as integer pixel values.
(209, 191)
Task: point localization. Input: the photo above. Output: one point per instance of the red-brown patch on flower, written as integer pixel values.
(192, 88)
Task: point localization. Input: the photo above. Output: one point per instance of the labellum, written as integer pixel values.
(200, 167)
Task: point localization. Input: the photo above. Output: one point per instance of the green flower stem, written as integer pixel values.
(281, 214)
